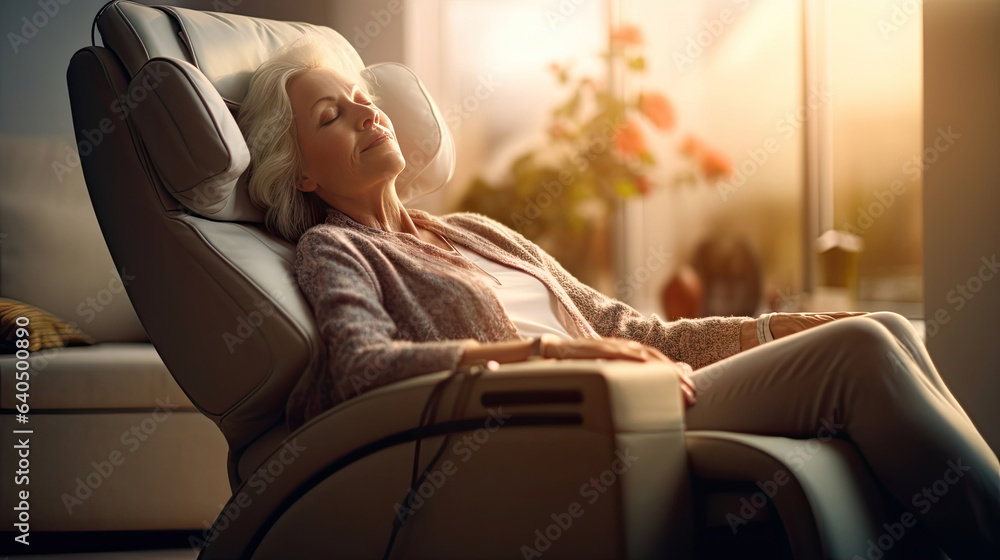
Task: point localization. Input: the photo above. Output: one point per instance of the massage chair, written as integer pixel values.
(543, 459)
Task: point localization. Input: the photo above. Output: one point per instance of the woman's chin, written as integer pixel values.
(397, 162)
(392, 172)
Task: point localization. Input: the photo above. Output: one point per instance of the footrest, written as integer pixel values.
(828, 501)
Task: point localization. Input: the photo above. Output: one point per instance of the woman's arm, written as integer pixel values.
(698, 342)
(558, 348)
(362, 347)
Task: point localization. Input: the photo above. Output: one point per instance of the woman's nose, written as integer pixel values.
(368, 116)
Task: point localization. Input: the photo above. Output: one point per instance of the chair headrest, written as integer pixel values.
(189, 73)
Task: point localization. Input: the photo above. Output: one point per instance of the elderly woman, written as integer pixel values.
(399, 293)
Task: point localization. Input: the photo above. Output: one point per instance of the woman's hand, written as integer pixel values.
(617, 349)
(785, 324)
(687, 384)
(575, 349)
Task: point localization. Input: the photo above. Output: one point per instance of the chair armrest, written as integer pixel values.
(624, 404)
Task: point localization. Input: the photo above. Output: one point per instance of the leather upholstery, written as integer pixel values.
(231, 278)
(227, 48)
(837, 505)
(359, 456)
(192, 139)
(256, 332)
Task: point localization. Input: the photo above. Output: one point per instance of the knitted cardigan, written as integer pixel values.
(390, 306)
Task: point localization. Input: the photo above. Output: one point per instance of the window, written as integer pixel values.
(816, 104)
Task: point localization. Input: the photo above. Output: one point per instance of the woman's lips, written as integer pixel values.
(378, 139)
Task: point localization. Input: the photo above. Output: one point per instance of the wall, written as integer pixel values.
(33, 61)
(48, 231)
(961, 198)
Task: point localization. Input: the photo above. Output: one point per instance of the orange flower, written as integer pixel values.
(693, 146)
(644, 185)
(713, 163)
(658, 110)
(627, 35)
(629, 139)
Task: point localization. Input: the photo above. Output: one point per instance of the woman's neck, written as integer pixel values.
(383, 211)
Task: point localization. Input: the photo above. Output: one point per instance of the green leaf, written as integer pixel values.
(647, 158)
(637, 63)
(609, 104)
(684, 177)
(625, 187)
(569, 108)
(522, 165)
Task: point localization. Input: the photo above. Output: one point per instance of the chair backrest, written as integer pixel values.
(166, 168)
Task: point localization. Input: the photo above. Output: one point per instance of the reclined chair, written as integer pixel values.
(561, 459)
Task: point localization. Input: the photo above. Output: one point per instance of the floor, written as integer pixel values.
(178, 554)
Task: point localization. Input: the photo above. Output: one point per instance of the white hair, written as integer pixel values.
(267, 123)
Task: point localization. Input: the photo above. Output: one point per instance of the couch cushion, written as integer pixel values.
(103, 377)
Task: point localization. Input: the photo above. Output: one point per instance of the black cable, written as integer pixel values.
(430, 408)
(433, 400)
(93, 26)
(461, 401)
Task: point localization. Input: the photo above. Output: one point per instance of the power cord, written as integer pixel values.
(430, 408)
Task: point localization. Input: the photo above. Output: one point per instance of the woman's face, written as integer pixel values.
(347, 144)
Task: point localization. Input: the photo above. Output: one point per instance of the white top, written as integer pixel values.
(531, 306)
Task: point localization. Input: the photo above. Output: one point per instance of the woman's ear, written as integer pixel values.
(305, 184)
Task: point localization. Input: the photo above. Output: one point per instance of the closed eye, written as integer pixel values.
(325, 119)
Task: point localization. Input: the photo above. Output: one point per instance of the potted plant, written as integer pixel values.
(563, 195)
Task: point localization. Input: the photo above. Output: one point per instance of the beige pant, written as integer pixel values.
(873, 376)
